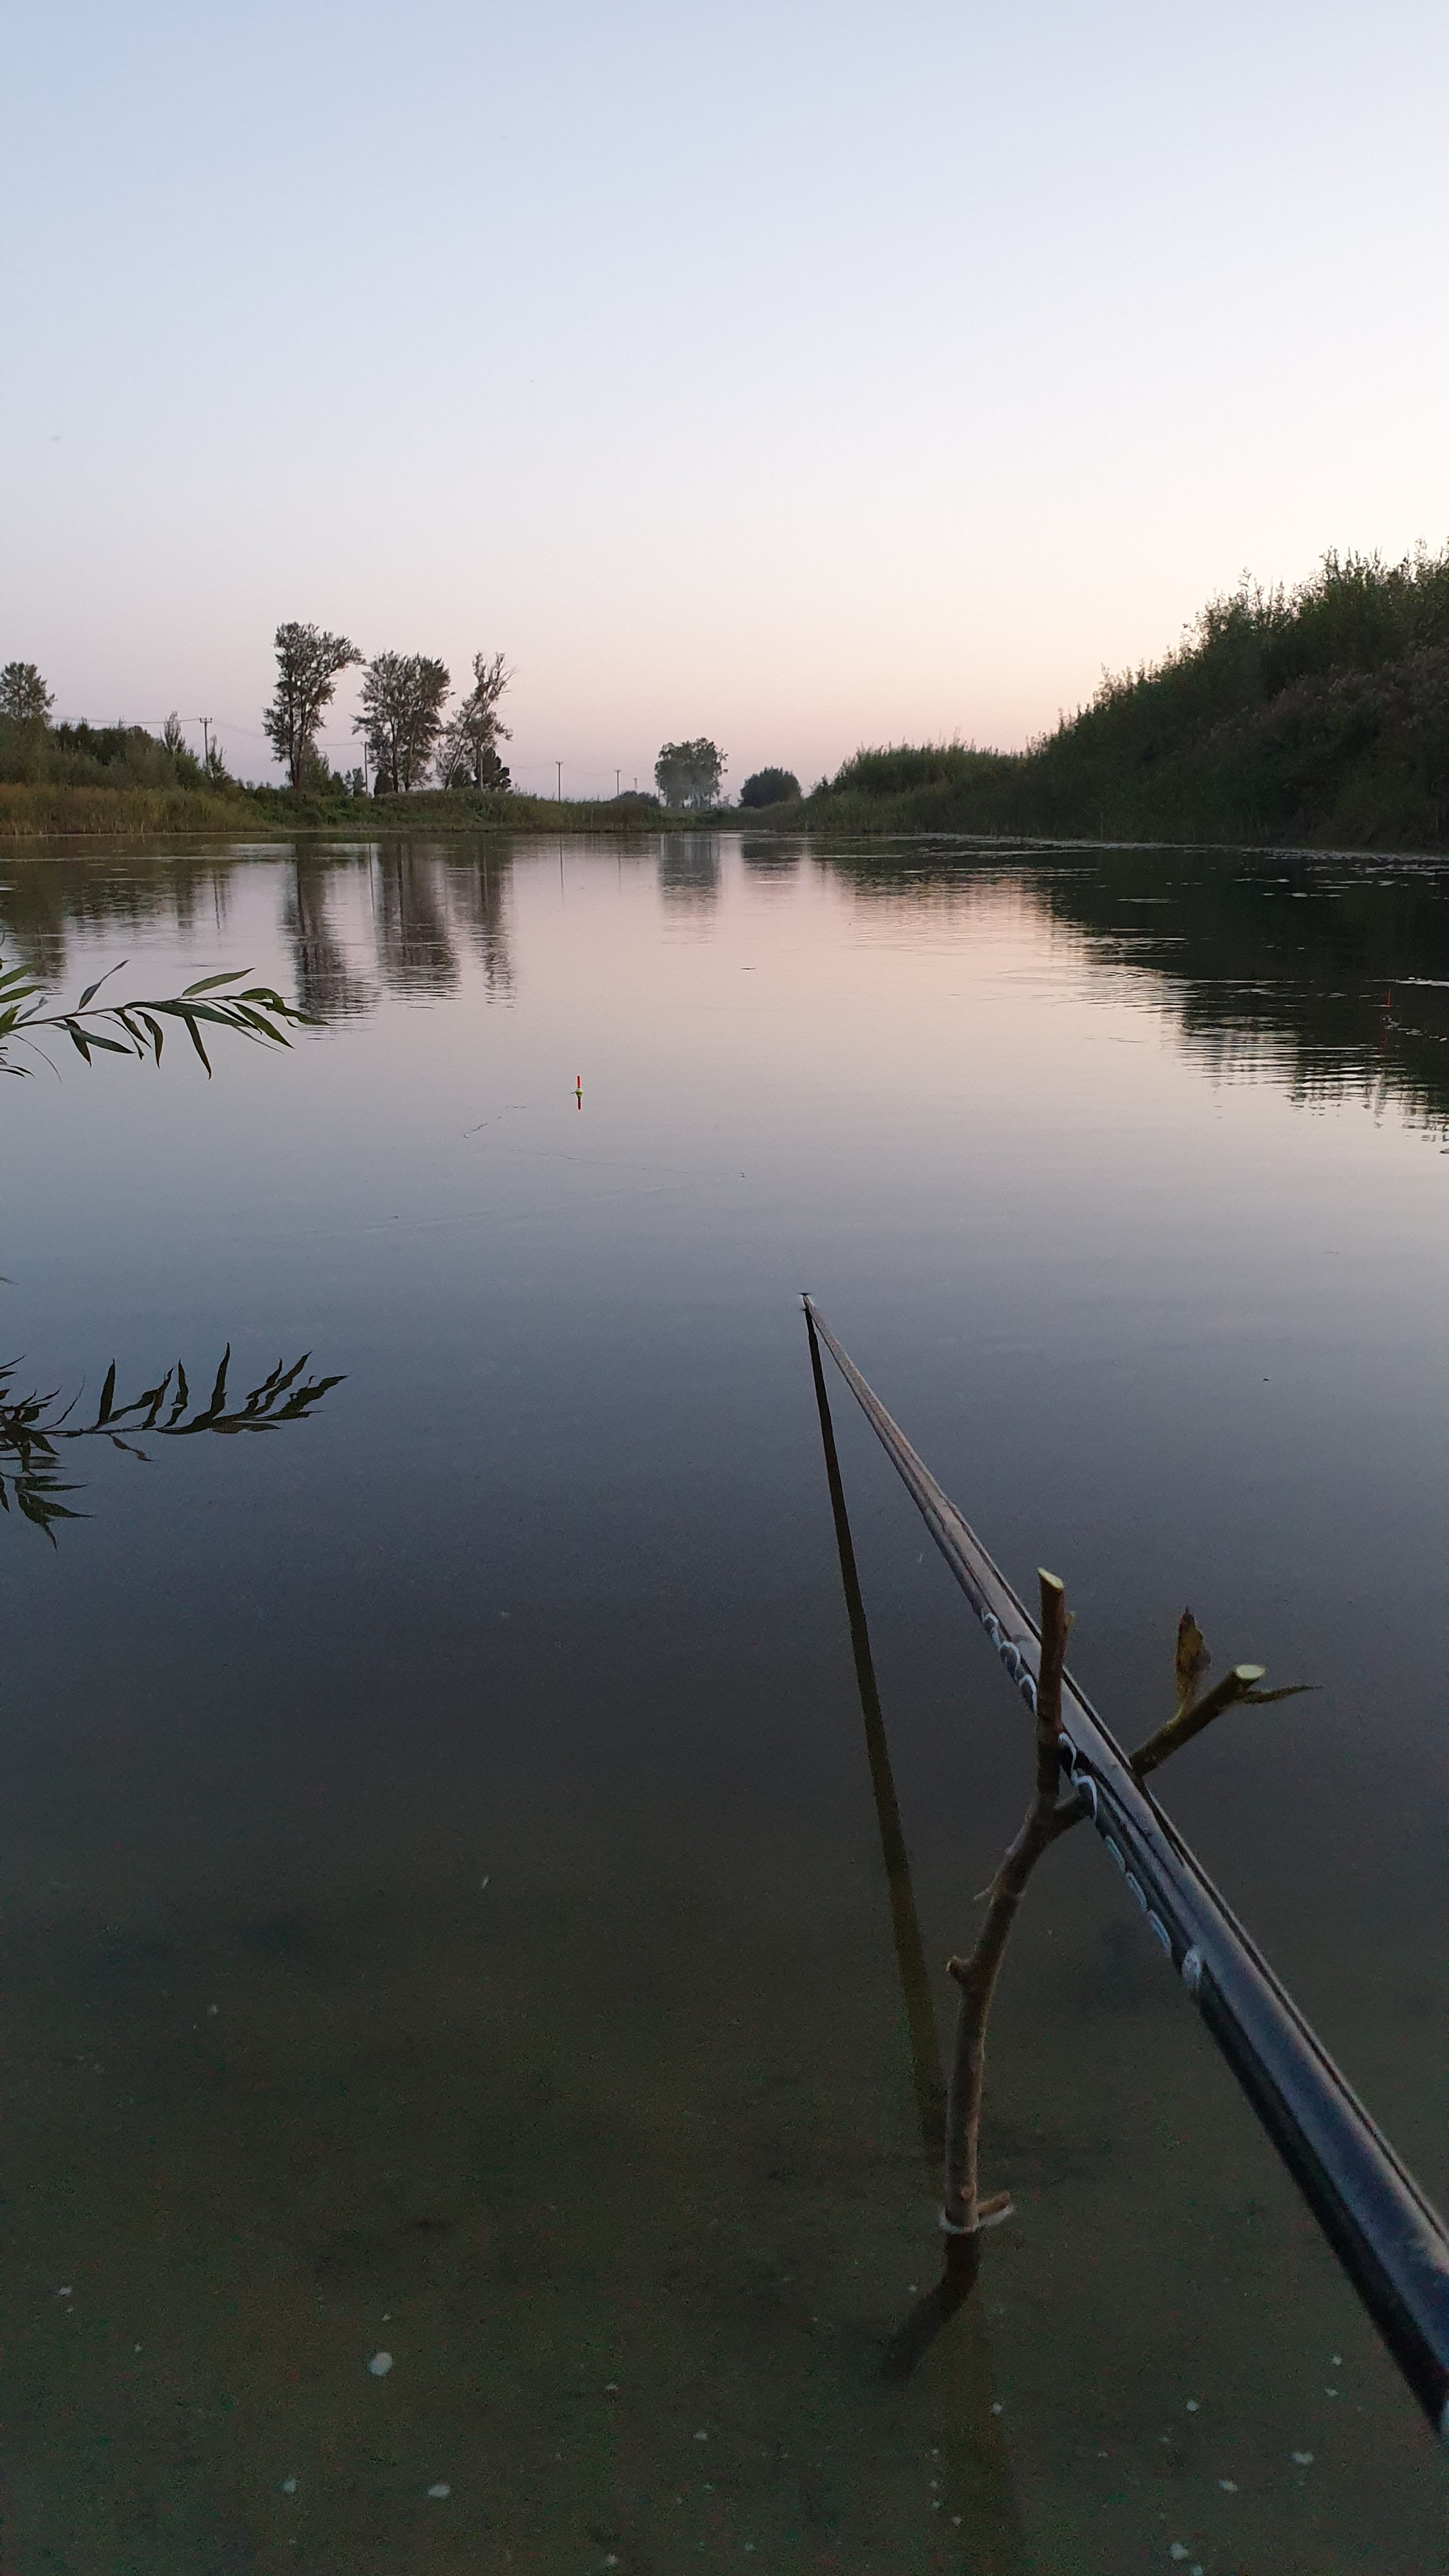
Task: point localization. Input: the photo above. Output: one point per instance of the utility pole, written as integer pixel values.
(616, 782)
(558, 764)
(205, 724)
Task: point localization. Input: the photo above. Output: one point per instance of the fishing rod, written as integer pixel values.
(1389, 2238)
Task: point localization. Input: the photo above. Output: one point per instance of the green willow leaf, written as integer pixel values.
(91, 990)
(194, 1033)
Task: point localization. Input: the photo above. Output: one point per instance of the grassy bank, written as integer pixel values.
(39, 811)
(32, 812)
(438, 809)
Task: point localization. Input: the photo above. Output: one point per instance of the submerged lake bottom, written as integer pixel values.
(460, 2110)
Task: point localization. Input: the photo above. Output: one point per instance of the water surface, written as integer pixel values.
(442, 1896)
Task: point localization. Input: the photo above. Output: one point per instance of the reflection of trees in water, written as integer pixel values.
(477, 888)
(423, 902)
(428, 898)
(43, 902)
(327, 987)
(1336, 967)
(1331, 969)
(689, 869)
(768, 857)
(414, 950)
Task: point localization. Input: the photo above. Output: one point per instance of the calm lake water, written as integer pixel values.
(443, 1912)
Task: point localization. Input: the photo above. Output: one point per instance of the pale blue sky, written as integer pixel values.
(798, 374)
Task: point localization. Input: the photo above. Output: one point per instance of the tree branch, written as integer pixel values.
(963, 2210)
(962, 2207)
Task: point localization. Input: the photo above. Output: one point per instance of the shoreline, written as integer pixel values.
(93, 816)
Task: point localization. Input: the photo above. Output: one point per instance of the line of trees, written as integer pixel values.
(401, 719)
(689, 774)
(411, 739)
(35, 751)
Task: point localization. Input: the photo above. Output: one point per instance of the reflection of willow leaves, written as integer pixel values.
(30, 1428)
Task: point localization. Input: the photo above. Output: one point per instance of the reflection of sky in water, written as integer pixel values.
(544, 1595)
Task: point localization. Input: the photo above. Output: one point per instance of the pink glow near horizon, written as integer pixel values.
(803, 377)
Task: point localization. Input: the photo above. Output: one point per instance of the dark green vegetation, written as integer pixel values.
(99, 778)
(38, 754)
(33, 1426)
(770, 787)
(274, 813)
(138, 1028)
(1318, 715)
(32, 811)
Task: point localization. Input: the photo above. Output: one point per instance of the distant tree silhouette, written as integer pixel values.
(24, 697)
(689, 773)
(468, 753)
(770, 787)
(402, 710)
(308, 664)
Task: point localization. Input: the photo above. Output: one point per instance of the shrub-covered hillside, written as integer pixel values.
(1319, 714)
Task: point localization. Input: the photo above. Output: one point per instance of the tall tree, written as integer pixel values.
(689, 773)
(24, 697)
(468, 752)
(402, 710)
(308, 664)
